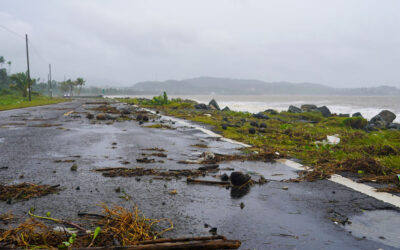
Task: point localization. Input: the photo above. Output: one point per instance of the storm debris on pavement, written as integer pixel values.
(25, 191)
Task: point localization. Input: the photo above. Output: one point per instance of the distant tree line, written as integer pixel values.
(18, 83)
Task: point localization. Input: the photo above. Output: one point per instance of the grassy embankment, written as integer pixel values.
(374, 153)
(8, 102)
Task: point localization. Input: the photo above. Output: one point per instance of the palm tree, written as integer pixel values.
(2, 60)
(9, 66)
(19, 81)
(79, 82)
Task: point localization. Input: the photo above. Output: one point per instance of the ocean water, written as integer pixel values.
(368, 106)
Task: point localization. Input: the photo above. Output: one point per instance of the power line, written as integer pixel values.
(29, 41)
(12, 32)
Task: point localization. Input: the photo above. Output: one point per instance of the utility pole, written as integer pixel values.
(51, 89)
(27, 59)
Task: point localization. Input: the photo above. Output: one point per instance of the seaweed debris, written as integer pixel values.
(25, 191)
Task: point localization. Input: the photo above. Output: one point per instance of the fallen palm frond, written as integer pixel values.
(118, 226)
(25, 191)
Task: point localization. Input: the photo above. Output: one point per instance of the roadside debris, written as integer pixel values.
(25, 191)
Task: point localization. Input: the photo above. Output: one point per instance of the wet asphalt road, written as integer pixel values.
(277, 215)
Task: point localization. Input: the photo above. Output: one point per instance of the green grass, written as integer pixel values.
(8, 102)
(295, 135)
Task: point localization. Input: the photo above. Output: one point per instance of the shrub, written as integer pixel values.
(355, 122)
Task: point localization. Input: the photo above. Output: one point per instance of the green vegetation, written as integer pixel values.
(15, 102)
(14, 89)
(302, 136)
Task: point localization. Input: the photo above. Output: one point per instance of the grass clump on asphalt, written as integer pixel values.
(299, 135)
(8, 102)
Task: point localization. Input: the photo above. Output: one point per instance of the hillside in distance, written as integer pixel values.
(226, 86)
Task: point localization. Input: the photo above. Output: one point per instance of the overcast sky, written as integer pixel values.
(343, 43)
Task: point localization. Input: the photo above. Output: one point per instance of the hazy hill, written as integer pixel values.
(225, 86)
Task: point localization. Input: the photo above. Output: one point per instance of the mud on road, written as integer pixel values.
(41, 145)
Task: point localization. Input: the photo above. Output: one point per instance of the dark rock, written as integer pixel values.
(254, 124)
(243, 120)
(213, 231)
(225, 119)
(140, 122)
(101, 116)
(226, 109)
(308, 107)
(358, 114)
(200, 106)
(125, 112)
(294, 109)
(387, 116)
(239, 192)
(393, 126)
(261, 130)
(263, 125)
(252, 131)
(261, 116)
(376, 122)
(90, 116)
(224, 126)
(224, 177)
(239, 179)
(325, 111)
(214, 105)
(344, 115)
(271, 111)
(145, 118)
(139, 117)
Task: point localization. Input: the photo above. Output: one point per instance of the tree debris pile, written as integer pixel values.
(107, 109)
(25, 191)
(138, 171)
(117, 227)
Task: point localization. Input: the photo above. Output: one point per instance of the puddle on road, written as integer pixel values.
(379, 225)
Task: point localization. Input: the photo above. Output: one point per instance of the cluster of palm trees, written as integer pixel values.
(67, 87)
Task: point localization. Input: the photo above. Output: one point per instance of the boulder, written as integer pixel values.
(325, 111)
(254, 124)
(308, 107)
(239, 179)
(294, 109)
(252, 131)
(357, 114)
(201, 106)
(376, 122)
(214, 105)
(90, 116)
(261, 116)
(101, 116)
(224, 126)
(387, 116)
(263, 125)
(226, 109)
(271, 111)
(393, 126)
(145, 118)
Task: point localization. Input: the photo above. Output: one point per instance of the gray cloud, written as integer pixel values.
(340, 43)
